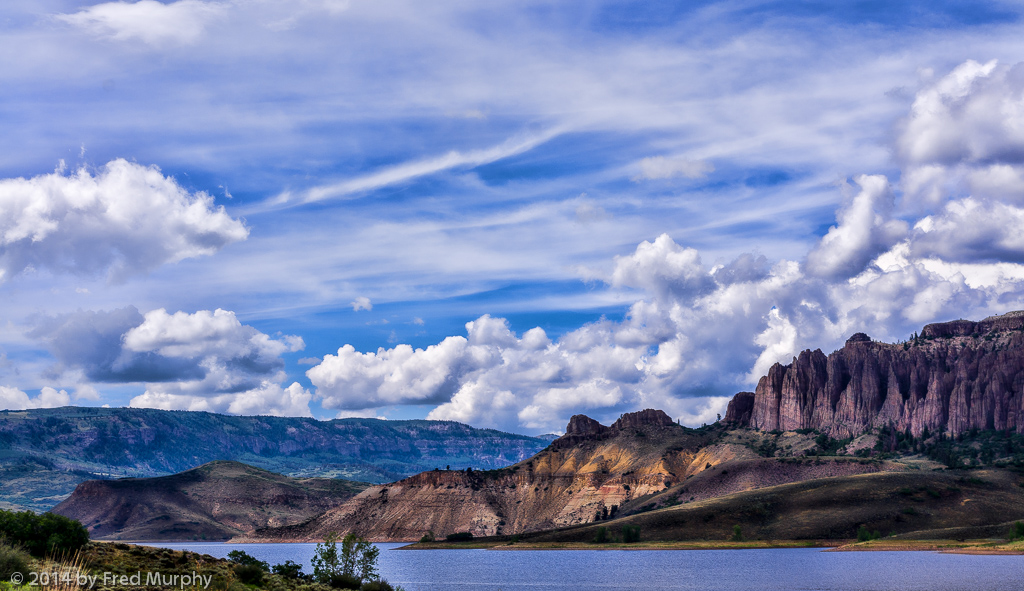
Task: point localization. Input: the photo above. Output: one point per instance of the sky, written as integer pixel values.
(499, 213)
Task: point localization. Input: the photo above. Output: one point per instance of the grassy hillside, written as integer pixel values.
(45, 453)
(900, 503)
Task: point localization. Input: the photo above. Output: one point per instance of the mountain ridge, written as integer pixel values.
(45, 453)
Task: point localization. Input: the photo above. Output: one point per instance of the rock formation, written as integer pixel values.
(956, 376)
(586, 472)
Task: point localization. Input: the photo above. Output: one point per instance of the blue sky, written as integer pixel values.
(203, 202)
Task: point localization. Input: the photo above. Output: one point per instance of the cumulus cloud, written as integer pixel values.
(965, 136)
(207, 359)
(662, 167)
(15, 399)
(702, 332)
(149, 21)
(267, 398)
(361, 303)
(864, 231)
(124, 220)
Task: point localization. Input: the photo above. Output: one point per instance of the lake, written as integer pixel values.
(642, 570)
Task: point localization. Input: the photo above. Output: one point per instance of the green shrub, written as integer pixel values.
(601, 537)
(630, 534)
(462, 536)
(250, 574)
(241, 558)
(343, 581)
(737, 533)
(41, 535)
(378, 585)
(1017, 531)
(428, 537)
(12, 560)
(288, 570)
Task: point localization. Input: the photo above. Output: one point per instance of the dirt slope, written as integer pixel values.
(215, 501)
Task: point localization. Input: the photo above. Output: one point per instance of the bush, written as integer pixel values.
(241, 558)
(462, 536)
(288, 570)
(737, 533)
(41, 535)
(250, 574)
(12, 560)
(428, 537)
(630, 534)
(378, 585)
(601, 537)
(343, 581)
(865, 535)
(1017, 531)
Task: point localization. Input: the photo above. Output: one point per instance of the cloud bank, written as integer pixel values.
(944, 244)
(206, 360)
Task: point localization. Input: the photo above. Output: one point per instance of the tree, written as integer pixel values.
(737, 533)
(357, 559)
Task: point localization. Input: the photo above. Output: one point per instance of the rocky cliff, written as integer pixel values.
(585, 473)
(212, 502)
(956, 376)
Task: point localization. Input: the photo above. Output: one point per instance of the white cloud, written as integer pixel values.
(266, 399)
(206, 360)
(15, 399)
(965, 136)
(361, 303)
(152, 22)
(864, 231)
(661, 167)
(125, 220)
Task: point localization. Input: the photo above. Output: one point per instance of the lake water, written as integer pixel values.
(644, 570)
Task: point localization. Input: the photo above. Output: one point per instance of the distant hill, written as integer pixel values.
(212, 502)
(45, 453)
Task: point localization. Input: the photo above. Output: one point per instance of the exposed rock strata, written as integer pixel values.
(957, 376)
(585, 472)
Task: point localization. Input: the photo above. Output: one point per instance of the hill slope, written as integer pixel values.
(212, 502)
(932, 504)
(45, 453)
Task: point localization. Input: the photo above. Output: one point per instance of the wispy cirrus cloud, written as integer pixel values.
(409, 171)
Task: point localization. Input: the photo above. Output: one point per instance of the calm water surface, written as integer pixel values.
(699, 570)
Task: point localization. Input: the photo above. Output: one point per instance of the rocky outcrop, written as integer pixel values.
(740, 407)
(648, 417)
(585, 473)
(956, 376)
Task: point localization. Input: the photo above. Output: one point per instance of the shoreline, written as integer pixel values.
(974, 547)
